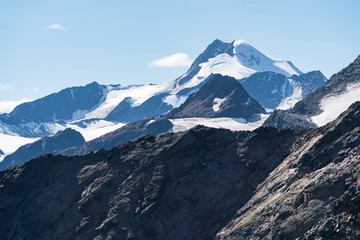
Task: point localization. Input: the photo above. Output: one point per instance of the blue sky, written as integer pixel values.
(117, 41)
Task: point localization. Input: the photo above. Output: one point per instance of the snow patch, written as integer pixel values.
(115, 95)
(96, 129)
(333, 106)
(10, 143)
(174, 100)
(297, 95)
(217, 103)
(79, 114)
(234, 124)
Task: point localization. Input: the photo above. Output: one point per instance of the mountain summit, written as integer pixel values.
(238, 59)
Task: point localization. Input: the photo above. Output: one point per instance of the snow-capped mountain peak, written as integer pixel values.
(252, 58)
(238, 59)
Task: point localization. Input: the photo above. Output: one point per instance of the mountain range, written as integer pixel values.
(203, 183)
(241, 146)
(116, 103)
(248, 83)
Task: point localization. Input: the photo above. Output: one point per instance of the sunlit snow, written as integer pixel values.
(10, 143)
(234, 124)
(333, 106)
(246, 61)
(217, 103)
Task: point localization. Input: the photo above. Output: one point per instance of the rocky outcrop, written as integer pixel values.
(220, 96)
(61, 140)
(200, 184)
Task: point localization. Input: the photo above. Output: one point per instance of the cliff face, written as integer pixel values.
(200, 184)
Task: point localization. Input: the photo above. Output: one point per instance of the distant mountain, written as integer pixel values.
(124, 134)
(220, 96)
(127, 112)
(68, 104)
(203, 183)
(125, 104)
(1, 152)
(324, 104)
(275, 90)
(61, 140)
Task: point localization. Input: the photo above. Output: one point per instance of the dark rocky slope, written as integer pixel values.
(61, 140)
(298, 117)
(200, 184)
(235, 102)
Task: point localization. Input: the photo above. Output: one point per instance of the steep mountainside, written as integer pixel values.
(200, 184)
(61, 140)
(324, 104)
(220, 96)
(275, 90)
(68, 104)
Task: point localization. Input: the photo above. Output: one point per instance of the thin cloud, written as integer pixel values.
(8, 106)
(175, 60)
(5, 87)
(56, 27)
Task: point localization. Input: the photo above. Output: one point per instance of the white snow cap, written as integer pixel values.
(246, 61)
(252, 58)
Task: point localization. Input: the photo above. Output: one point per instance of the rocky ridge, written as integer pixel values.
(203, 183)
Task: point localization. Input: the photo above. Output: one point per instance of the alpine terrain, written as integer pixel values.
(323, 105)
(203, 183)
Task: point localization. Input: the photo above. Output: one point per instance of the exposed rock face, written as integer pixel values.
(272, 89)
(124, 134)
(268, 88)
(299, 117)
(220, 96)
(310, 81)
(313, 193)
(1, 152)
(200, 184)
(61, 140)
